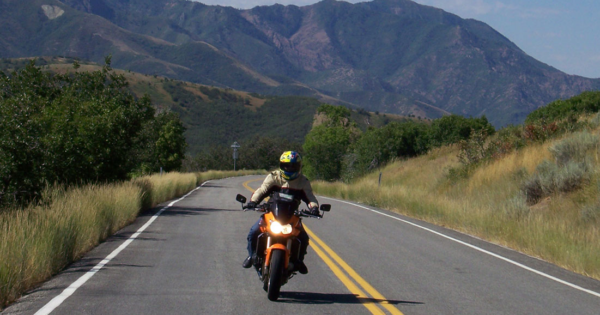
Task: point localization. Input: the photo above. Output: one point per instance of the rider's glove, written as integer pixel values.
(314, 210)
(250, 205)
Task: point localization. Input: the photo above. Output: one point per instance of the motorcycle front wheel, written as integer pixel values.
(276, 274)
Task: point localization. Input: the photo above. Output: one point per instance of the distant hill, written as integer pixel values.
(392, 56)
(216, 116)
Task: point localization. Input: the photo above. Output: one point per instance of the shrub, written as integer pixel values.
(574, 148)
(550, 178)
(587, 102)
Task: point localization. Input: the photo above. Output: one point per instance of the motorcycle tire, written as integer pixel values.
(276, 274)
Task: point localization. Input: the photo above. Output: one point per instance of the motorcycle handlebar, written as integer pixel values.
(300, 213)
(261, 208)
(306, 213)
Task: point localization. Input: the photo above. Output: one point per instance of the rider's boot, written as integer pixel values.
(247, 263)
(301, 267)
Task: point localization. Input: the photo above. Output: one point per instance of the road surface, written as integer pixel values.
(186, 259)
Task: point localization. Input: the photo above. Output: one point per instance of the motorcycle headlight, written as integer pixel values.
(277, 228)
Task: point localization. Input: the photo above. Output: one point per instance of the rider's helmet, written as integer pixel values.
(290, 164)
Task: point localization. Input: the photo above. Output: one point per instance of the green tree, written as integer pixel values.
(453, 128)
(67, 129)
(378, 146)
(324, 149)
(336, 115)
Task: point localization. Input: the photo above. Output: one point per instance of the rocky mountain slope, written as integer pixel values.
(392, 56)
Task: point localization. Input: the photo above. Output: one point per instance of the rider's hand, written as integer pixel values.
(315, 210)
(250, 205)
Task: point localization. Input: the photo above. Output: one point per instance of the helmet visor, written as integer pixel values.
(290, 167)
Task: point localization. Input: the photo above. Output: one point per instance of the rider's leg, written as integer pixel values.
(252, 239)
(303, 237)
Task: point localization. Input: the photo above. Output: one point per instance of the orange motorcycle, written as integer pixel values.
(278, 246)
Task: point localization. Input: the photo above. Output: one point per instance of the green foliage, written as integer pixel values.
(68, 129)
(324, 149)
(586, 102)
(336, 115)
(378, 146)
(475, 149)
(160, 143)
(453, 128)
(224, 117)
(254, 154)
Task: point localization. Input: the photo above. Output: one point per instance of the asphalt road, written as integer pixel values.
(188, 260)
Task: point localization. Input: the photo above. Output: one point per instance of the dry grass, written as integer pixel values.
(39, 241)
(562, 229)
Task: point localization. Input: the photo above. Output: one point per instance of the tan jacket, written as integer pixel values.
(300, 188)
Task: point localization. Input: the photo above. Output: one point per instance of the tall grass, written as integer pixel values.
(491, 202)
(40, 240)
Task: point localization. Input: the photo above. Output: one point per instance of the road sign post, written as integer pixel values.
(235, 147)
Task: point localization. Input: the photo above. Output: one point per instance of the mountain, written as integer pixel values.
(392, 56)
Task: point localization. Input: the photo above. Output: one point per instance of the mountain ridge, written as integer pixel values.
(385, 55)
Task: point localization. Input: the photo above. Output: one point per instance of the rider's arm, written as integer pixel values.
(310, 198)
(264, 190)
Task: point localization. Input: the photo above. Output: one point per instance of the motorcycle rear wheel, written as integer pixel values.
(276, 274)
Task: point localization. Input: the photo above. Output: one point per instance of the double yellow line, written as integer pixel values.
(374, 301)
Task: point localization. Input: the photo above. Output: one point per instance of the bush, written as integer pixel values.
(550, 178)
(586, 102)
(574, 148)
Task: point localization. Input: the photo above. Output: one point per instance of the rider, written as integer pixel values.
(289, 180)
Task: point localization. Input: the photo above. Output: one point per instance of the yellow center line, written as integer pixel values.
(362, 282)
(371, 306)
(347, 282)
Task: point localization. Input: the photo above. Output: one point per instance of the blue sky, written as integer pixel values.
(562, 33)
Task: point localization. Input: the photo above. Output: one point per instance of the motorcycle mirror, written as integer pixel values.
(240, 198)
(325, 207)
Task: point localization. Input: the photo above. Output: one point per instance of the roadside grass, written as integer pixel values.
(40, 240)
(562, 227)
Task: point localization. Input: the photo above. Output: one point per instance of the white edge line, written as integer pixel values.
(476, 248)
(58, 300)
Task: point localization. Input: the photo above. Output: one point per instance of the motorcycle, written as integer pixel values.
(278, 246)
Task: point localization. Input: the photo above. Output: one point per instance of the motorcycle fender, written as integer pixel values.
(277, 247)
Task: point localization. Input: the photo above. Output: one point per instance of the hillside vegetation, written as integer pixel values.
(79, 127)
(534, 187)
(212, 116)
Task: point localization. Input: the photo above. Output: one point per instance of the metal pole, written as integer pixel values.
(379, 179)
(235, 147)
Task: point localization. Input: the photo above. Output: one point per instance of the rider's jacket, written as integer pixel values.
(299, 188)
